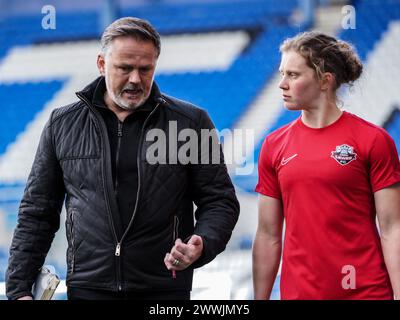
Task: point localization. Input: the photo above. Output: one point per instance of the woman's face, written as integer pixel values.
(301, 89)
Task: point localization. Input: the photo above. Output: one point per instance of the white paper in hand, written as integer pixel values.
(45, 285)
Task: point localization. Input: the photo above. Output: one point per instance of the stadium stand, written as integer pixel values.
(38, 73)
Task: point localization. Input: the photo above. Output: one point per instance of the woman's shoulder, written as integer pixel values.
(281, 133)
(356, 120)
(365, 127)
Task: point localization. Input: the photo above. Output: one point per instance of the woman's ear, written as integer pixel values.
(327, 81)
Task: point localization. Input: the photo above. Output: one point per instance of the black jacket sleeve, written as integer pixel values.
(38, 218)
(214, 195)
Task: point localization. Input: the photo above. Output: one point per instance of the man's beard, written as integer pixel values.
(123, 104)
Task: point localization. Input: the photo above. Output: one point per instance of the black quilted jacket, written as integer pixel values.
(73, 163)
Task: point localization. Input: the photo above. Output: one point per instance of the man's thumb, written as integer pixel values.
(195, 240)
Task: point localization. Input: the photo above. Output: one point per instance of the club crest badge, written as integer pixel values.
(344, 154)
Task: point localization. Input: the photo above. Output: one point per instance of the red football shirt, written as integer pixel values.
(326, 179)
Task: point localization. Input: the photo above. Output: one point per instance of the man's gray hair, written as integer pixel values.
(140, 29)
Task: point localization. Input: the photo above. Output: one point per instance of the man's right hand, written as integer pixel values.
(25, 298)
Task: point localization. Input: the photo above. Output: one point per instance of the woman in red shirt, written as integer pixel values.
(327, 175)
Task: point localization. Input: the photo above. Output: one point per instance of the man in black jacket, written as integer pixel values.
(130, 225)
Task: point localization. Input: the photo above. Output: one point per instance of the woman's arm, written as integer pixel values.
(267, 246)
(387, 202)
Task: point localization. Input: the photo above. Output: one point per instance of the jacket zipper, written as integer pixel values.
(139, 176)
(118, 246)
(119, 243)
(120, 125)
(72, 242)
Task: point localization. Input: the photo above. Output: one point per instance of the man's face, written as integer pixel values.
(128, 66)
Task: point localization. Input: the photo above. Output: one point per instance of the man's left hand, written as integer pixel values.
(183, 255)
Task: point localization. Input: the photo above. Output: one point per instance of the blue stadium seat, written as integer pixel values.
(20, 103)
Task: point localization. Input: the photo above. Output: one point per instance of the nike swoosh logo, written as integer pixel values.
(285, 161)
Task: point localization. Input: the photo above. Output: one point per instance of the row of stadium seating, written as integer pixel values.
(20, 103)
(167, 18)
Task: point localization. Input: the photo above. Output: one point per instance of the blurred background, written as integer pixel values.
(219, 54)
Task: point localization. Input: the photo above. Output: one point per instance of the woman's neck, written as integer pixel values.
(322, 116)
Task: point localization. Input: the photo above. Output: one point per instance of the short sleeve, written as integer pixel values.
(267, 177)
(384, 162)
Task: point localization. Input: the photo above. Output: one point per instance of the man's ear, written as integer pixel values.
(101, 63)
(327, 81)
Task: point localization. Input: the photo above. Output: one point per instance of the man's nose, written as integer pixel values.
(134, 76)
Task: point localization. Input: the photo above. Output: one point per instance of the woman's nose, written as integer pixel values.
(283, 84)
